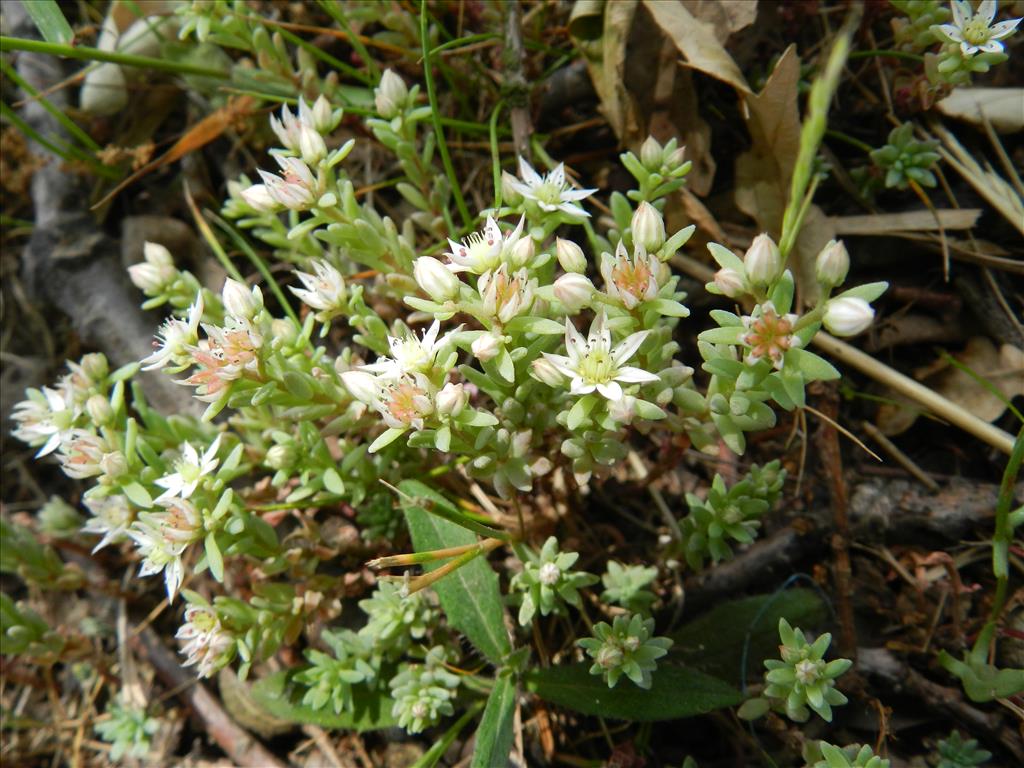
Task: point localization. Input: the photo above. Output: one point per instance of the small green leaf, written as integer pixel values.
(494, 735)
(214, 557)
(283, 699)
(869, 291)
(297, 385)
(728, 335)
(506, 368)
(137, 495)
(49, 20)
(540, 325)
(470, 595)
(813, 368)
(333, 482)
(726, 258)
(675, 693)
(668, 308)
(386, 438)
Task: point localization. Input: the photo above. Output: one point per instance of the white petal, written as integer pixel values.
(968, 49)
(431, 335)
(557, 176)
(628, 347)
(992, 46)
(574, 340)
(630, 375)
(523, 189)
(986, 11)
(952, 32)
(580, 387)
(529, 175)
(569, 208)
(562, 364)
(576, 194)
(961, 12)
(1004, 29)
(611, 390)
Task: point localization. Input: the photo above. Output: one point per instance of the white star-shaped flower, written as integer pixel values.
(191, 469)
(486, 250)
(592, 363)
(174, 338)
(409, 354)
(550, 192)
(975, 31)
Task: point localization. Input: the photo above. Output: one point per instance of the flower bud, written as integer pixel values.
(281, 456)
(729, 282)
(99, 410)
(452, 399)
(648, 227)
(156, 272)
(361, 385)
(440, 283)
(283, 331)
(113, 464)
(322, 114)
(570, 256)
(509, 194)
(239, 301)
(311, 145)
(486, 347)
(847, 316)
(390, 95)
(258, 196)
(676, 158)
(521, 253)
(157, 255)
(545, 372)
(574, 291)
(95, 366)
(763, 262)
(832, 264)
(623, 410)
(651, 154)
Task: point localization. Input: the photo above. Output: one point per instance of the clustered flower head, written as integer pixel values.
(801, 679)
(974, 30)
(424, 692)
(208, 644)
(547, 582)
(625, 648)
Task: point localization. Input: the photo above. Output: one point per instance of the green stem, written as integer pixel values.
(442, 145)
(1001, 540)
(468, 40)
(434, 754)
(69, 125)
(94, 54)
(791, 233)
(915, 57)
(848, 139)
(495, 155)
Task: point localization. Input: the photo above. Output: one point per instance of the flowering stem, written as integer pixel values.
(1001, 546)
(94, 54)
(848, 139)
(424, 581)
(442, 145)
(495, 155)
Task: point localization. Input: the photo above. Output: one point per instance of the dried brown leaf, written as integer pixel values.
(726, 17)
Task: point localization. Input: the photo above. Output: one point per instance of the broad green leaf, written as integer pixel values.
(813, 368)
(49, 20)
(386, 438)
(726, 258)
(280, 698)
(494, 735)
(675, 693)
(333, 481)
(713, 643)
(214, 557)
(470, 595)
(137, 495)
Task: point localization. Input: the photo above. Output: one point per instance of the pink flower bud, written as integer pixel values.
(729, 283)
(763, 262)
(570, 256)
(574, 291)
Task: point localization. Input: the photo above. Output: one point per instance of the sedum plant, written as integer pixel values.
(127, 729)
(521, 349)
(955, 751)
(821, 754)
(625, 647)
(801, 681)
(905, 159)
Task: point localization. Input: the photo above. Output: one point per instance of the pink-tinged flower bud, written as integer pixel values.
(390, 95)
(436, 279)
(452, 399)
(486, 347)
(570, 256)
(651, 154)
(239, 301)
(676, 158)
(311, 145)
(648, 227)
(510, 194)
(95, 366)
(832, 264)
(623, 410)
(545, 372)
(361, 385)
(729, 283)
(848, 316)
(574, 291)
(762, 261)
(99, 410)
